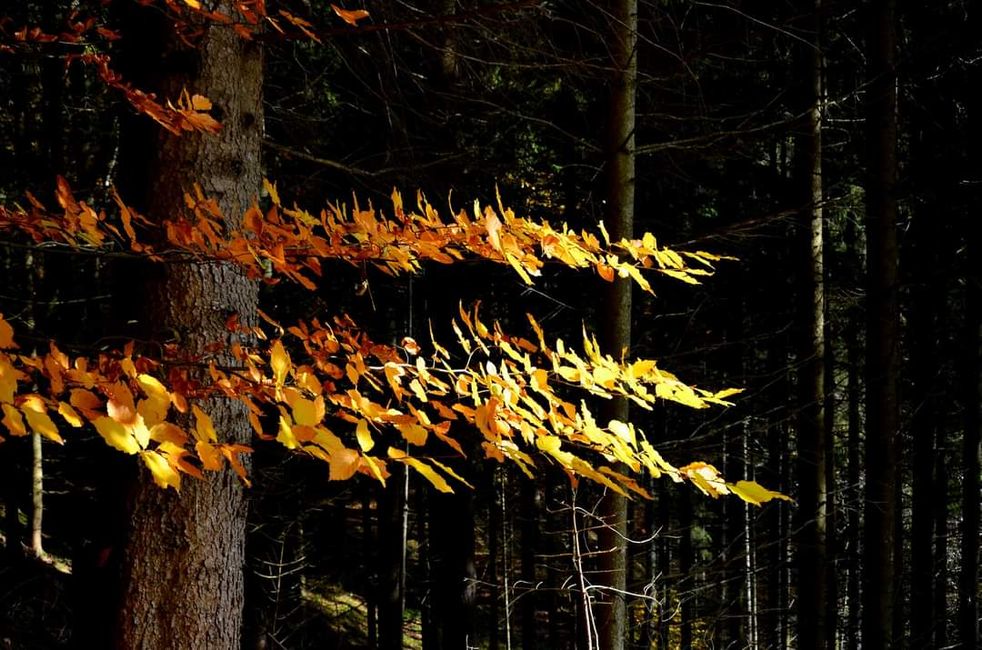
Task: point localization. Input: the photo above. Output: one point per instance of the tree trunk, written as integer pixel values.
(183, 566)
(882, 334)
(391, 581)
(812, 435)
(455, 579)
(530, 507)
(853, 537)
(614, 331)
(968, 579)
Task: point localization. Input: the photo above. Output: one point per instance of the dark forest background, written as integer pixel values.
(832, 147)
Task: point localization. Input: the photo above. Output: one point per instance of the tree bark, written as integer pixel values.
(183, 565)
(882, 333)
(812, 557)
(614, 331)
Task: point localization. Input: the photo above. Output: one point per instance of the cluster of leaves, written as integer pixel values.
(350, 396)
(291, 242)
(351, 391)
(513, 395)
(84, 39)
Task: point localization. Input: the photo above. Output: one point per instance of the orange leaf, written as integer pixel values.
(350, 16)
(6, 335)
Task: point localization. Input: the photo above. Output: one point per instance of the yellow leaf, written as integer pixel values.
(13, 421)
(270, 188)
(8, 380)
(364, 436)
(165, 432)
(70, 415)
(41, 423)
(163, 474)
(753, 492)
(86, 401)
(308, 412)
(154, 408)
(285, 434)
(116, 435)
(344, 464)
(204, 429)
(413, 433)
(375, 468)
(6, 335)
(392, 375)
(429, 474)
(705, 477)
(728, 392)
(623, 431)
(279, 360)
(211, 457)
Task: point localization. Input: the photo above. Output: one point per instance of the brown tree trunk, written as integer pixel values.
(811, 422)
(882, 334)
(614, 331)
(183, 566)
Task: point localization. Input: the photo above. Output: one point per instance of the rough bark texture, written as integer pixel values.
(882, 333)
(614, 332)
(811, 422)
(183, 565)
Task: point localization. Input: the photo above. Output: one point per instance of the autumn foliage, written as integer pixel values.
(324, 388)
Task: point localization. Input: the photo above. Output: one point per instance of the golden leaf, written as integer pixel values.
(116, 435)
(753, 492)
(344, 464)
(6, 335)
(13, 420)
(204, 428)
(279, 360)
(163, 474)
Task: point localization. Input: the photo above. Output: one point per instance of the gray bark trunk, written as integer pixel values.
(183, 566)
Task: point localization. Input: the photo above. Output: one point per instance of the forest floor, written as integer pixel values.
(35, 612)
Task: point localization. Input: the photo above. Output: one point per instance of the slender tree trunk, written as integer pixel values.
(614, 330)
(882, 334)
(183, 566)
(391, 589)
(686, 562)
(812, 553)
(968, 579)
(495, 529)
(924, 353)
(530, 507)
(37, 495)
(853, 538)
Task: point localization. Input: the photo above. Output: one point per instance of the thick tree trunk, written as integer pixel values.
(882, 334)
(811, 554)
(614, 331)
(183, 566)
